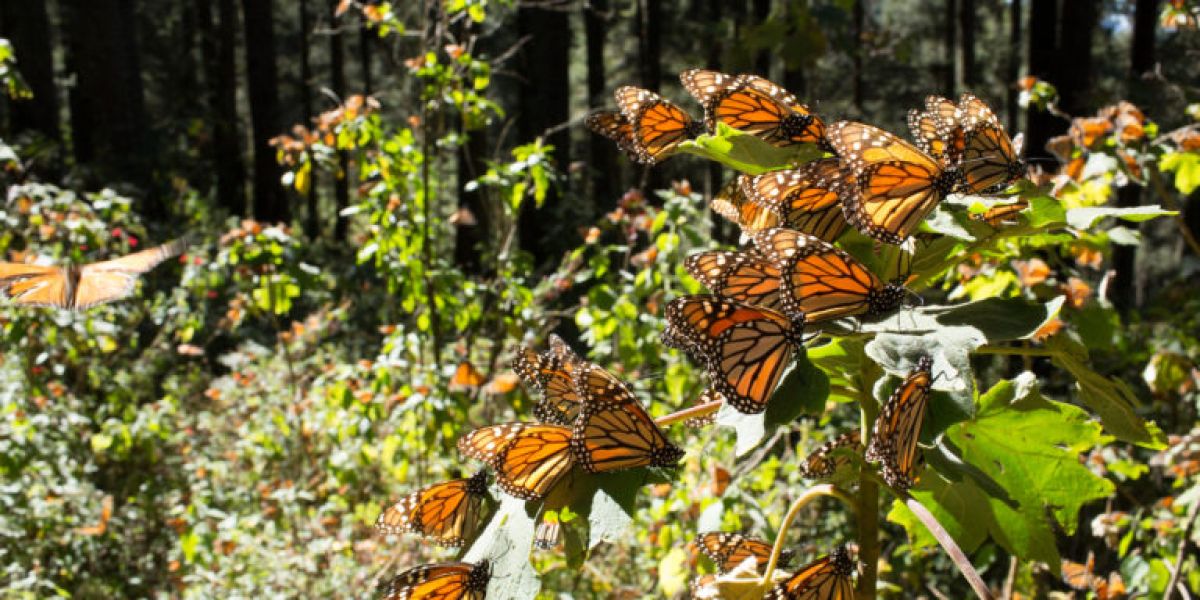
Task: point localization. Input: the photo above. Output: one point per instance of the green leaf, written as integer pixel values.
(506, 542)
(1029, 447)
(747, 153)
(1085, 218)
(1186, 166)
(1045, 210)
(1110, 398)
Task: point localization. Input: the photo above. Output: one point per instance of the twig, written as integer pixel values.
(1169, 201)
(1181, 554)
(700, 410)
(950, 546)
(811, 494)
(1007, 351)
(1011, 579)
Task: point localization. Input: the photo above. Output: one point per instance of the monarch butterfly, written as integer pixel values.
(550, 374)
(447, 512)
(442, 581)
(529, 459)
(823, 462)
(827, 578)
(989, 158)
(658, 125)
(1083, 577)
(548, 534)
(741, 276)
(745, 349)
(733, 203)
(896, 184)
(999, 215)
(613, 431)
(822, 281)
(936, 129)
(898, 428)
(728, 550)
(755, 105)
(78, 288)
(1086, 132)
(614, 126)
(805, 199)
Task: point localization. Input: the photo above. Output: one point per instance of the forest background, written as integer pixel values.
(392, 197)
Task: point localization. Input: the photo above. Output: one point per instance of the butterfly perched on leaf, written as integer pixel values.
(936, 129)
(823, 462)
(658, 126)
(1001, 214)
(898, 428)
(827, 578)
(551, 374)
(446, 513)
(754, 105)
(81, 287)
(807, 199)
(442, 581)
(990, 159)
(613, 431)
(733, 203)
(728, 550)
(528, 458)
(822, 281)
(744, 348)
(896, 184)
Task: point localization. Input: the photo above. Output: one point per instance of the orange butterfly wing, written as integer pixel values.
(114, 279)
(739, 276)
(443, 581)
(734, 204)
(614, 126)
(613, 431)
(728, 550)
(446, 513)
(744, 349)
(807, 198)
(827, 578)
(34, 285)
(823, 462)
(822, 281)
(898, 428)
(551, 374)
(754, 105)
(658, 125)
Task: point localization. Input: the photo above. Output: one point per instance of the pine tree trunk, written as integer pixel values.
(26, 25)
(602, 152)
(337, 76)
(966, 45)
(1078, 23)
(365, 41)
(950, 28)
(270, 202)
(859, 23)
(649, 16)
(312, 222)
(227, 141)
(544, 104)
(762, 60)
(1043, 30)
(1015, 42)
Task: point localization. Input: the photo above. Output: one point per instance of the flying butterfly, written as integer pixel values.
(442, 581)
(728, 550)
(658, 125)
(827, 578)
(529, 459)
(550, 373)
(898, 428)
(613, 431)
(745, 349)
(823, 462)
(446, 513)
(614, 126)
(754, 105)
(81, 287)
(806, 199)
(822, 281)
(732, 202)
(989, 157)
(896, 184)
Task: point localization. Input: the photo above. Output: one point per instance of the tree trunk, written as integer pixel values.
(860, 19)
(270, 202)
(602, 152)
(312, 223)
(1078, 22)
(966, 77)
(544, 103)
(108, 106)
(471, 237)
(649, 16)
(1014, 65)
(227, 141)
(337, 76)
(25, 24)
(1043, 30)
(1142, 60)
(762, 59)
(365, 39)
(950, 28)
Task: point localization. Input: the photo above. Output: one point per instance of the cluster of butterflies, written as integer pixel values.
(79, 287)
(826, 578)
(587, 418)
(876, 181)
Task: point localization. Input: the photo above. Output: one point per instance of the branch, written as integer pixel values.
(1168, 200)
(700, 410)
(1181, 554)
(950, 546)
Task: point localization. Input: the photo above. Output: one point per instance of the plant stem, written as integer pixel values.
(808, 496)
(868, 535)
(1181, 554)
(1008, 351)
(1169, 201)
(950, 546)
(700, 410)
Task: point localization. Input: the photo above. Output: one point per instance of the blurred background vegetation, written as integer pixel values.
(394, 196)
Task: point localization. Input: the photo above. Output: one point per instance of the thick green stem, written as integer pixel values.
(950, 546)
(868, 535)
